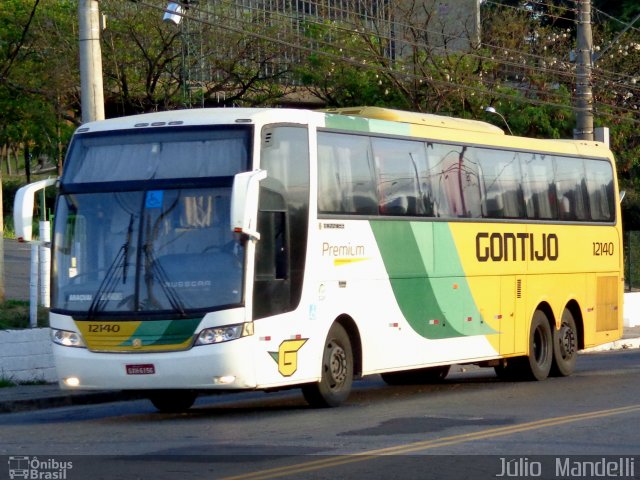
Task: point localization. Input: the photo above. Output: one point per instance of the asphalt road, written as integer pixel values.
(468, 427)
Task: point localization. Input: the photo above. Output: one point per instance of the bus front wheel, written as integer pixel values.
(337, 371)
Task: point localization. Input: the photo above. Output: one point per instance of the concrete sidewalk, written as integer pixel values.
(37, 397)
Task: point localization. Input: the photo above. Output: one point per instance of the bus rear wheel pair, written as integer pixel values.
(550, 352)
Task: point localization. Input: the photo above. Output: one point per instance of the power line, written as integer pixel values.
(529, 11)
(386, 69)
(509, 62)
(610, 17)
(552, 7)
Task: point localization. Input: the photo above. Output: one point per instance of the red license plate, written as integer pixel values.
(144, 369)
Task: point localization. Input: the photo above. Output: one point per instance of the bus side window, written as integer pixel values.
(501, 180)
(458, 180)
(345, 175)
(402, 184)
(599, 182)
(539, 186)
(571, 189)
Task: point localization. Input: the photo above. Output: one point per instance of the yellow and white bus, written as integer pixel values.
(241, 249)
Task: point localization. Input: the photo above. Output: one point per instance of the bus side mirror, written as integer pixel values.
(244, 202)
(23, 208)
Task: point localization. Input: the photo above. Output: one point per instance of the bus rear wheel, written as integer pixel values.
(565, 346)
(416, 377)
(536, 365)
(337, 371)
(173, 401)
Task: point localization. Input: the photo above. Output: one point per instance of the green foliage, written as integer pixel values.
(14, 314)
(533, 120)
(341, 80)
(9, 382)
(37, 74)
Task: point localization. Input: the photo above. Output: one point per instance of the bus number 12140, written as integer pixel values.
(602, 248)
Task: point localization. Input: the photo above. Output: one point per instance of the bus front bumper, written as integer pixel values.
(226, 365)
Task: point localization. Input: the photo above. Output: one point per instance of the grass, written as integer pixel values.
(4, 383)
(8, 382)
(14, 314)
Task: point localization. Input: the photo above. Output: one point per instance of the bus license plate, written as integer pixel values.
(145, 369)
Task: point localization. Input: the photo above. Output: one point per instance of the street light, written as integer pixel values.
(173, 13)
(495, 112)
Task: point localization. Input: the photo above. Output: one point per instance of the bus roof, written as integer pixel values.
(426, 119)
(200, 116)
(372, 119)
(448, 128)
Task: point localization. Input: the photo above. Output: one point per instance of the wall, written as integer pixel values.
(631, 311)
(26, 356)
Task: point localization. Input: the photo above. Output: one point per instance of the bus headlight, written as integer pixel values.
(67, 338)
(209, 336)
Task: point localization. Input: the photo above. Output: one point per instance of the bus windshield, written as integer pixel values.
(157, 154)
(133, 242)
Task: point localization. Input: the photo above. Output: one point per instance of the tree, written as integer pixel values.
(38, 83)
(216, 55)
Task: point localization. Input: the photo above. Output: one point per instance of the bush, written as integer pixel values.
(14, 314)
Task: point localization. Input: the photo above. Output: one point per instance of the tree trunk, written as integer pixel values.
(27, 162)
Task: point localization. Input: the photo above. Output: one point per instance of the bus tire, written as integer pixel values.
(417, 377)
(337, 371)
(173, 401)
(537, 364)
(565, 346)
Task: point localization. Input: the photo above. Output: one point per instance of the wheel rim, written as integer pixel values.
(540, 346)
(567, 341)
(337, 366)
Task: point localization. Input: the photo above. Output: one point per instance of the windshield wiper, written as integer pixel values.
(125, 249)
(110, 280)
(157, 272)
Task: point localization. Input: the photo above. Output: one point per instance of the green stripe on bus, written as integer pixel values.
(163, 332)
(435, 306)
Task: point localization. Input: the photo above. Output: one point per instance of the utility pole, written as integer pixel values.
(584, 94)
(92, 93)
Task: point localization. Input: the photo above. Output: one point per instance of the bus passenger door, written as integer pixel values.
(514, 303)
(508, 314)
(271, 283)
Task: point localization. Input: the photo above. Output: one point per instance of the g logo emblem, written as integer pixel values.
(287, 356)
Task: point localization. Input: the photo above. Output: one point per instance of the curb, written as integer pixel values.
(622, 344)
(62, 399)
